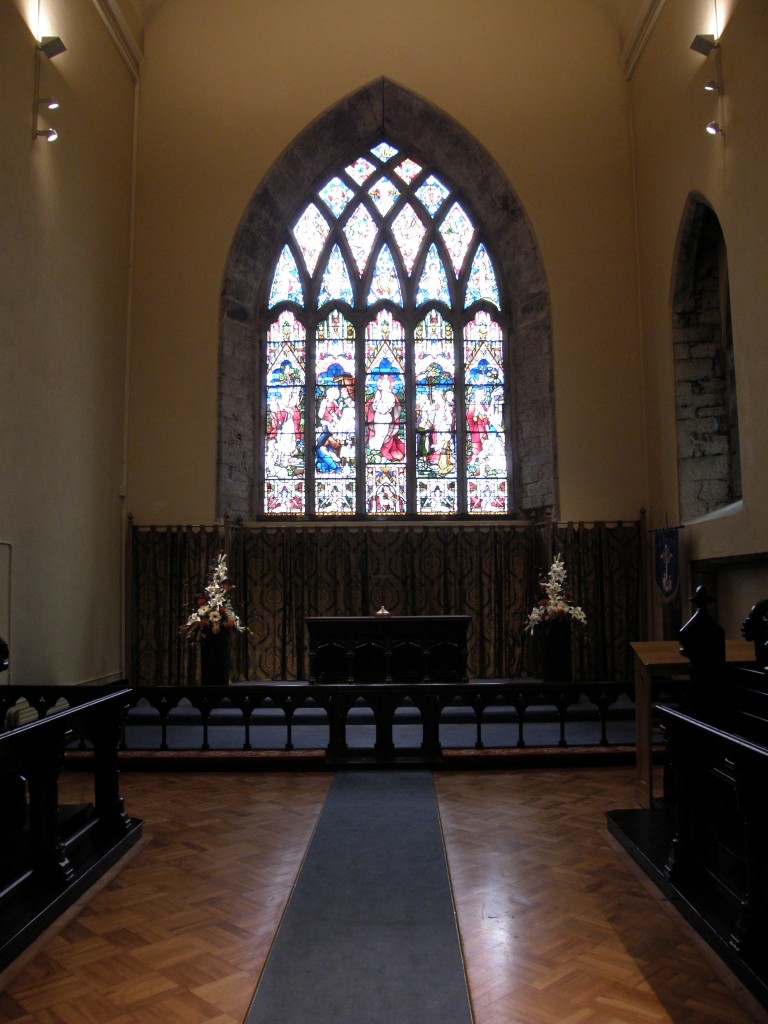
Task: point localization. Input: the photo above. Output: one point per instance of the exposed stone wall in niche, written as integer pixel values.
(386, 110)
(707, 420)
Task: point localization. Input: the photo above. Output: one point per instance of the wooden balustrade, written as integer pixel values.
(332, 709)
(434, 702)
(254, 706)
(437, 704)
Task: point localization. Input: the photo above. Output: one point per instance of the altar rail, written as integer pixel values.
(50, 853)
(244, 708)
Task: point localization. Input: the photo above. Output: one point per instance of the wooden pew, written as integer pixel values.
(51, 853)
(705, 842)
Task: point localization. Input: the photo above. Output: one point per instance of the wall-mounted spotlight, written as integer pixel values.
(52, 46)
(704, 44)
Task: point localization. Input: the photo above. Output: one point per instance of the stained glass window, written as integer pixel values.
(335, 416)
(385, 283)
(408, 170)
(311, 232)
(484, 404)
(384, 151)
(286, 284)
(435, 368)
(432, 194)
(360, 231)
(482, 280)
(285, 475)
(433, 283)
(360, 170)
(385, 292)
(384, 194)
(457, 231)
(385, 416)
(336, 283)
(409, 232)
(336, 195)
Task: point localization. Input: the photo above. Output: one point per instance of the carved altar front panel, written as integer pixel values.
(388, 648)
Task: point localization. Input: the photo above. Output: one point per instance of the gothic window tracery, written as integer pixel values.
(386, 367)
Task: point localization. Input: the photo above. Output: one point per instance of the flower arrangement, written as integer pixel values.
(555, 603)
(214, 611)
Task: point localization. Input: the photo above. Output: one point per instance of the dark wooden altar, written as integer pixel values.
(387, 648)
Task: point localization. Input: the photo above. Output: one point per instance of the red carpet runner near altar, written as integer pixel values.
(369, 935)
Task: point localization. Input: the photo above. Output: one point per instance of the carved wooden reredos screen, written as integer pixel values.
(283, 573)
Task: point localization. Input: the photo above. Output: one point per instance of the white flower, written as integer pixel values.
(216, 608)
(555, 605)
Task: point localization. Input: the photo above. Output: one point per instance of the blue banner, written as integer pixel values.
(667, 561)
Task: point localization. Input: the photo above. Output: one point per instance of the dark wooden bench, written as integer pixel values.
(50, 853)
(705, 841)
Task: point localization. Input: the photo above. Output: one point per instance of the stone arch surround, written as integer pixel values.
(379, 110)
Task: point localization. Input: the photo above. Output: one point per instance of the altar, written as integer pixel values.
(387, 648)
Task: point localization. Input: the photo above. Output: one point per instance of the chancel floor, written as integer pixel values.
(558, 926)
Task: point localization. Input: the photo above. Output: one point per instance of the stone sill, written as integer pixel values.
(734, 509)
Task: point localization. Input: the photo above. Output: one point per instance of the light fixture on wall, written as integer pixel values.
(704, 44)
(51, 46)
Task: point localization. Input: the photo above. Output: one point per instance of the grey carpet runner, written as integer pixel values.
(369, 935)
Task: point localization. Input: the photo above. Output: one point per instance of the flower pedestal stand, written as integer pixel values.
(556, 651)
(214, 658)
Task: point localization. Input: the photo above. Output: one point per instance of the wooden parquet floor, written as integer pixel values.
(558, 926)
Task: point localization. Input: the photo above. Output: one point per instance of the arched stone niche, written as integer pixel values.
(384, 110)
(709, 467)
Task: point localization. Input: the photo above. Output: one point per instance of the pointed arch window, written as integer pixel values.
(385, 372)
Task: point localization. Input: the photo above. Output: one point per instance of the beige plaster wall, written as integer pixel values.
(65, 211)
(674, 157)
(225, 88)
